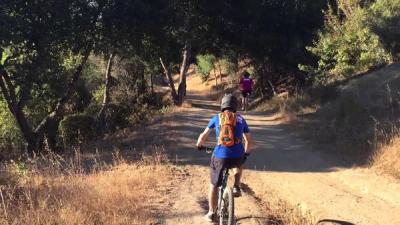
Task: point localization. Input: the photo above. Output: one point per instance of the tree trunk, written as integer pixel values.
(171, 81)
(31, 138)
(183, 73)
(266, 81)
(272, 87)
(50, 136)
(142, 83)
(106, 97)
(8, 90)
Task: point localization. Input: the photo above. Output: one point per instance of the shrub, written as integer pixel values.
(147, 105)
(10, 135)
(77, 128)
(116, 116)
(345, 47)
(205, 63)
(81, 99)
(384, 19)
(13, 173)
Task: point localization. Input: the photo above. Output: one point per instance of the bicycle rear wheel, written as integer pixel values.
(227, 213)
(246, 103)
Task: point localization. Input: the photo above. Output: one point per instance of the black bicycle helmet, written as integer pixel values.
(246, 74)
(230, 102)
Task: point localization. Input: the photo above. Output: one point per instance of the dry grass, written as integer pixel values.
(195, 83)
(52, 191)
(285, 214)
(279, 211)
(358, 119)
(387, 159)
(364, 116)
(288, 107)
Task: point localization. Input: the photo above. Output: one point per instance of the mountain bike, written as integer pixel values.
(226, 203)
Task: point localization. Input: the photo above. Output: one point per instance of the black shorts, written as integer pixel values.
(246, 93)
(217, 167)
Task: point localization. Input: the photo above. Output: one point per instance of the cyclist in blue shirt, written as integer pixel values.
(226, 157)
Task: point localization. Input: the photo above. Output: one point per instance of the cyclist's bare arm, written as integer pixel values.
(248, 142)
(203, 137)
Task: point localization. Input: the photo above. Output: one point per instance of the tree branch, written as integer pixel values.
(9, 96)
(107, 82)
(170, 79)
(24, 94)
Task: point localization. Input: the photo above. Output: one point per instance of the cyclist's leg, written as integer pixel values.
(216, 169)
(236, 165)
(238, 175)
(212, 198)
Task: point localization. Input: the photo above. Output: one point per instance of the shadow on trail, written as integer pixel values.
(276, 148)
(203, 202)
(205, 106)
(247, 189)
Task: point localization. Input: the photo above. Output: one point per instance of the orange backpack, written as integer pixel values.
(227, 123)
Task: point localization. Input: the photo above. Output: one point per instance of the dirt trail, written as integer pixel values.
(285, 165)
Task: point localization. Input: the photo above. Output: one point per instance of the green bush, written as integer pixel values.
(117, 116)
(10, 135)
(345, 47)
(81, 99)
(384, 19)
(147, 105)
(205, 63)
(77, 128)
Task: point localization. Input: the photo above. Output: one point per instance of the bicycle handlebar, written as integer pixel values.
(205, 148)
(210, 150)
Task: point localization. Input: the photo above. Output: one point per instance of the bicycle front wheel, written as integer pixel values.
(227, 214)
(246, 104)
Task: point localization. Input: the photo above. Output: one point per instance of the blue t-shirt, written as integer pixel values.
(235, 151)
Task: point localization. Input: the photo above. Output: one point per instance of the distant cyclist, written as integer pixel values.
(246, 86)
(233, 147)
